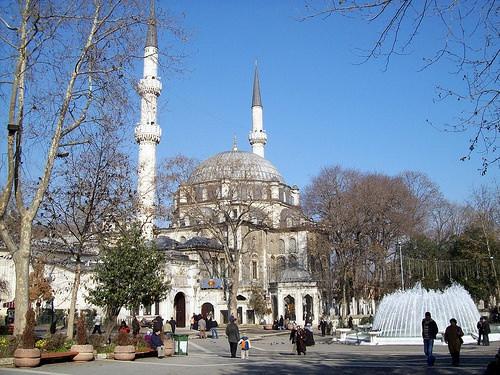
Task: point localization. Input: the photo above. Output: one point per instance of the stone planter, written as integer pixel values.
(27, 357)
(124, 353)
(268, 327)
(85, 353)
(169, 348)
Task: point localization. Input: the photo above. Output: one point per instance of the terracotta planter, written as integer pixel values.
(124, 353)
(85, 353)
(27, 357)
(169, 348)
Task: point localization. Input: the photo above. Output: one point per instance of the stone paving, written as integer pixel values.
(271, 354)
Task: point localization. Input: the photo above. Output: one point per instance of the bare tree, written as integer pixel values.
(469, 39)
(486, 204)
(67, 66)
(90, 193)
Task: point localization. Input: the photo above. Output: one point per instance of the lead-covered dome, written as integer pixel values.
(235, 165)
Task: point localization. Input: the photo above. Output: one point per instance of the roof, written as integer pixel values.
(152, 37)
(235, 165)
(256, 100)
(295, 274)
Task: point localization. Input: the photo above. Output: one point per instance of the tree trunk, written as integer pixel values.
(109, 325)
(22, 265)
(234, 283)
(72, 306)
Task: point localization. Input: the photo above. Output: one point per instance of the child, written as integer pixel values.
(245, 347)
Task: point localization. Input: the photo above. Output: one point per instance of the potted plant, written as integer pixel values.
(124, 349)
(85, 351)
(169, 345)
(26, 355)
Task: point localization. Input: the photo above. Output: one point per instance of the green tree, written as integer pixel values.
(130, 272)
(258, 301)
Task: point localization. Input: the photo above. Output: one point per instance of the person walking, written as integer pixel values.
(322, 327)
(136, 326)
(293, 337)
(97, 324)
(233, 336)
(245, 346)
(212, 325)
(300, 340)
(173, 324)
(281, 323)
(453, 337)
(429, 332)
(202, 326)
(484, 330)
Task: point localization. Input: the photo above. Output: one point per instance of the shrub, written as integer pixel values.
(81, 331)
(28, 336)
(140, 344)
(123, 339)
(55, 343)
(8, 345)
(97, 341)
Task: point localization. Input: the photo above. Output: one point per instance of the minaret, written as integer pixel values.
(258, 136)
(147, 131)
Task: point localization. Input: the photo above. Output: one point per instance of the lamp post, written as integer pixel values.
(401, 266)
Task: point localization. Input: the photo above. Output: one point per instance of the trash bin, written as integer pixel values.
(180, 344)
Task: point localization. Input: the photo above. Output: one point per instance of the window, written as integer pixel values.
(183, 239)
(215, 266)
(281, 246)
(147, 310)
(254, 269)
(293, 245)
(157, 308)
(292, 261)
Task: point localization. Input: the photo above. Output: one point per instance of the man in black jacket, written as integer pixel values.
(429, 332)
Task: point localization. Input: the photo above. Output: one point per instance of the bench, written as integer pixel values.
(50, 357)
(146, 353)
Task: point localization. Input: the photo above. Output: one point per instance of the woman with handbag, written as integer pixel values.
(453, 337)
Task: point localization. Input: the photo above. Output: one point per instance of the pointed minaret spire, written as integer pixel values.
(152, 37)
(147, 131)
(256, 101)
(235, 143)
(258, 136)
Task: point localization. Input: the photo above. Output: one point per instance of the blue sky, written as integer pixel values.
(320, 106)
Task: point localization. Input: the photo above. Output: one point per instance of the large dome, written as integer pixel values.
(235, 165)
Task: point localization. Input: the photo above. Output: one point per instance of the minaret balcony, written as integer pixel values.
(257, 136)
(147, 133)
(149, 85)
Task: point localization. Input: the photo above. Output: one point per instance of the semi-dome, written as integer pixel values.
(235, 165)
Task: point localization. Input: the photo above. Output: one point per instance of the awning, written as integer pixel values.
(9, 305)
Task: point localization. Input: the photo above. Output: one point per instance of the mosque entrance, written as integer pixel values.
(290, 308)
(207, 309)
(180, 309)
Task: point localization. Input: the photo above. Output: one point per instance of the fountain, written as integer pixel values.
(400, 314)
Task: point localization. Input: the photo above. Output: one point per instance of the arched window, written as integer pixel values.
(281, 264)
(292, 245)
(281, 246)
(254, 270)
(182, 239)
(292, 261)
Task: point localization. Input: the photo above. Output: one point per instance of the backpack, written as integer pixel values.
(244, 345)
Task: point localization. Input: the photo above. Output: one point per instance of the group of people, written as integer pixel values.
(234, 339)
(301, 338)
(199, 323)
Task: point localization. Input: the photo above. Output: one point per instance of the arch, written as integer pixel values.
(207, 309)
(292, 261)
(180, 309)
(280, 264)
(182, 239)
(307, 308)
(281, 246)
(239, 297)
(292, 244)
(290, 308)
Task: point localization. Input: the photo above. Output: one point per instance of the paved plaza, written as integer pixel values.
(271, 354)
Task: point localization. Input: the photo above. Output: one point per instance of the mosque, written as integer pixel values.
(235, 201)
(235, 198)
